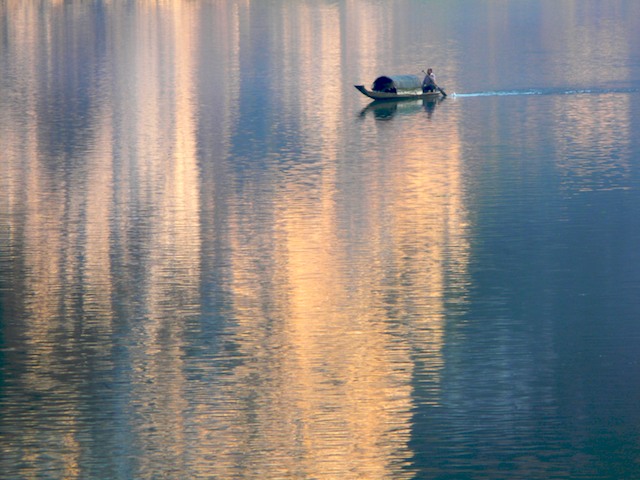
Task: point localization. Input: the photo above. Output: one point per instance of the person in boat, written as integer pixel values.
(429, 82)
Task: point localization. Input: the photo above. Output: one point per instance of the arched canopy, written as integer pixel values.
(397, 83)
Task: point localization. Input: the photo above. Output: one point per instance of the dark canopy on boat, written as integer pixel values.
(397, 83)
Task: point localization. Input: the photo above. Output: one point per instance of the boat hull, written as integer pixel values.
(397, 96)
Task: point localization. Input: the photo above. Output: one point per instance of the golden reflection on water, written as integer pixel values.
(593, 130)
(48, 242)
(326, 390)
(581, 41)
(75, 211)
(319, 395)
(171, 293)
(593, 142)
(323, 384)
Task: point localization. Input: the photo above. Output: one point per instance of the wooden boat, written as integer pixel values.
(399, 87)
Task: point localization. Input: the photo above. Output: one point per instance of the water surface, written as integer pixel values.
(219, 260)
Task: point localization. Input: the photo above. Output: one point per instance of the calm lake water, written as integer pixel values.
(219, 260)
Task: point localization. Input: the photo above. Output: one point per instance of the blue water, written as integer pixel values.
(220, 260)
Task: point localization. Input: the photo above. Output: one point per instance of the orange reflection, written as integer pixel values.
(581, 41)
(172, 265)
(593, 141)
(50, 239)
(367, 21)
(136, 154)
(322, 386)
(325, 390)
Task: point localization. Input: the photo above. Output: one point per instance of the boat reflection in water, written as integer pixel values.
(387, 109)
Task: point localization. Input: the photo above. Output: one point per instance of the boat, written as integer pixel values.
(399, 87)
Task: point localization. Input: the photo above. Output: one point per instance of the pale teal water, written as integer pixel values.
(219, 260)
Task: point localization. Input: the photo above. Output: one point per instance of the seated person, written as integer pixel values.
(429, 82)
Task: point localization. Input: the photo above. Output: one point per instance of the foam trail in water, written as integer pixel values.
(500, 93)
